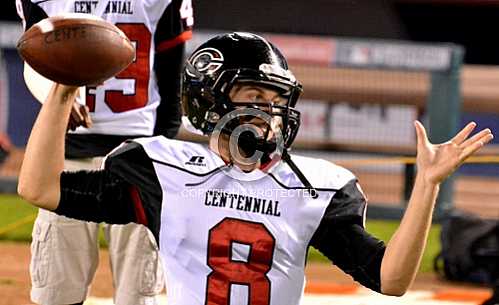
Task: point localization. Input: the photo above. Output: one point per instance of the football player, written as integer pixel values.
(142, 100)
(234, 219)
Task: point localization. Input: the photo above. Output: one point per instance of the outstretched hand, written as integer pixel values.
(437, 161)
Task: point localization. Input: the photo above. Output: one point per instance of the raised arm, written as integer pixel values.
(44, 157)
(434, 163)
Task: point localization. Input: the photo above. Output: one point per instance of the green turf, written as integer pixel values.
(12, 209)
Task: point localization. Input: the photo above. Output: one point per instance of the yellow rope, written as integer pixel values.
(408, 160)
(17, 224)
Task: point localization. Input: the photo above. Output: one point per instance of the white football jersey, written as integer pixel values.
(125, 104)
(228, 237)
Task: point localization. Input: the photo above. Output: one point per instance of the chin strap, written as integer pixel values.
(287, 158)
(249, 144)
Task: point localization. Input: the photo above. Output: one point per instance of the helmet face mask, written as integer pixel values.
(238, 59)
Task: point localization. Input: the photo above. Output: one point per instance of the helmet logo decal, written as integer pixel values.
(207, 60)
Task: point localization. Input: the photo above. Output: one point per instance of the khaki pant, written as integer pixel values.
(64, 257)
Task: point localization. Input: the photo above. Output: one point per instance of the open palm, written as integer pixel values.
(437, 161)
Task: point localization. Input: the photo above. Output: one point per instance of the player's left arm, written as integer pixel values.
(391, 269)
(434, 163)
(342, 238)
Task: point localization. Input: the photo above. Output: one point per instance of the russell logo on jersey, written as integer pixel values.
(196, 161)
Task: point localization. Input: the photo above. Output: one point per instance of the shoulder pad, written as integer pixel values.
(189, 156)
(319, 172)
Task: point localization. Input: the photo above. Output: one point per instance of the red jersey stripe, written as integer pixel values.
(168, 44)
(138, 206)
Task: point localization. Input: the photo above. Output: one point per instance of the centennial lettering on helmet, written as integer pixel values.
(207, 60)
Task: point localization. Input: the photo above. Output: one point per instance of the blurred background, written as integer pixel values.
(369, 69)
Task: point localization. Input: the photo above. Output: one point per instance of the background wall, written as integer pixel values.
(469, 23)
(464, 22)
(23, 108)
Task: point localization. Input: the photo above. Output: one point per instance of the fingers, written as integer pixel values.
(475, 137)
(421, 136)
(86, 115)
(464, 133)
(76, 113)
(80, 116)
(476, 142)
(73, 120)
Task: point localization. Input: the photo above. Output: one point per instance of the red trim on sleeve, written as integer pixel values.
(137, 204)
(168, 44)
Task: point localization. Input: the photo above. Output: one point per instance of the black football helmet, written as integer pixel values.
(225, 60)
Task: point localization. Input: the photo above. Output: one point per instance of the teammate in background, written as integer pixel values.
(142, 100)
(234, 220)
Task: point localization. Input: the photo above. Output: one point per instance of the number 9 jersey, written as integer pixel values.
(127, 105)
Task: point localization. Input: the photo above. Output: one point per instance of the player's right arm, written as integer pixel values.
(42, 180)
(125, 191)
(44, 157)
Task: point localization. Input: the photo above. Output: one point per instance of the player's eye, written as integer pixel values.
(259, 98)
(280, 100)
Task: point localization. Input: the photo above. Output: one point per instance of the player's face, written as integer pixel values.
(256, 94)
(259, 96)
(255, 97)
